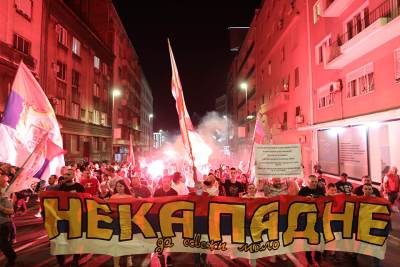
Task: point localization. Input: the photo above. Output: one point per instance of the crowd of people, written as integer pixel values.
(108, 181)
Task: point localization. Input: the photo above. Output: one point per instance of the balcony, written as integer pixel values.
(15, 56)
(278, 101)
(378, 28)
(335, 8)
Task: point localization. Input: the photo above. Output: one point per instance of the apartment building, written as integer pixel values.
(273, 69)
(77, 76)
(242, 92)
(147, 117)
(20, 31)
(81, 54)
(329, 73)
(356, 75)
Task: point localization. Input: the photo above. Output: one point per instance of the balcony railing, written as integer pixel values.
(16, 56)
(388, 10)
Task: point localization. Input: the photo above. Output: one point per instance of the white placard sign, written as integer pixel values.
(280, 161)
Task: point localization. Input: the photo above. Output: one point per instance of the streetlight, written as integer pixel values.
(151, 116)
(244, 86)
(115, 93)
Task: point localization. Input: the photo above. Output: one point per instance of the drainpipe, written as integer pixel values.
(310, 79)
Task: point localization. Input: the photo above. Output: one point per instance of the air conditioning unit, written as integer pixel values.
(336, 86)
(120, 120)
(277, 126)
(299, 119)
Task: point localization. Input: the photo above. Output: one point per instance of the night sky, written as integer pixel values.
(198, 31)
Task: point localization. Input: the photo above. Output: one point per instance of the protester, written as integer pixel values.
(138, 188)
(358, 191)
(232, 187)
(121, 190)
(165, 189)
(331, 190)
(105, 191)
(343, 186)
(89, 182)
(70, 186)
(391, 187)
(314, 191)
(6, 228)
(178, 184)
(211, 185)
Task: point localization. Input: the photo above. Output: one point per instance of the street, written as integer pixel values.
(33, 249)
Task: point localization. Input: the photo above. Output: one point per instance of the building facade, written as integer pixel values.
(20, 31)
(356, 73)
(80, 53)
(328, 72)
(147, 117)
(242, 91)
(76, 75)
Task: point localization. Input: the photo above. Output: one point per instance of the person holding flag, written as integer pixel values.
(31, 137)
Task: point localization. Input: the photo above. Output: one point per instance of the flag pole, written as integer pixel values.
(27, 159)
(184, 121)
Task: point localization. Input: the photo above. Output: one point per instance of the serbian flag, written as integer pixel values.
(27, 119)
(131, 155)
(185, 123)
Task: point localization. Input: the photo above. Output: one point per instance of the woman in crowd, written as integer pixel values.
(122, 191)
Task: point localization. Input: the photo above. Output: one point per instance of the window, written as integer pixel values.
(361, 81)
(96, 117)
(285, 84)
(21, 44)
(95, 143)
(96, 62)
(61, 70)
(103, 119)
(320, 50)
(397, 65)
(62, 35)
(326, 100)
(24, 7)
(75, 143)
(298, 111)
(269, 67)
(83, 114)
(60, 107)
(76, 47)
(317, 11)
(75, 78)
(75, 109)
(90, 116)
(296, 77)
(104, 145)
(283, 54)
(104, 68)
(357, 22)
(96, 90)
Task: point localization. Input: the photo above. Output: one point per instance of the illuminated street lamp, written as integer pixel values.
(244, 86)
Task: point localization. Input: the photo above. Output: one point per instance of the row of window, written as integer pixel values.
(62, 38)
(78, 113)
(358, 82)
(75, 145)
